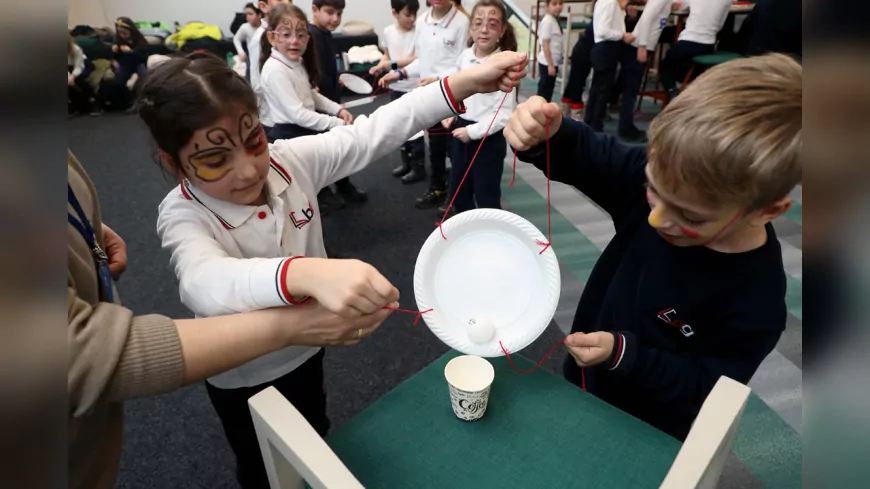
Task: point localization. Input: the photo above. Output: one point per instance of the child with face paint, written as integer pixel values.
(241, 228)
(489, 34)
(692, 285)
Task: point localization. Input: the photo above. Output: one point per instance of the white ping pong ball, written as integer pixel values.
(480, 330)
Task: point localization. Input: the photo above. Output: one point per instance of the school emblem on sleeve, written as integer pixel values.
(307, 216)
(670, 316)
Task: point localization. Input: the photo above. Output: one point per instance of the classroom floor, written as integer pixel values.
(176, 440)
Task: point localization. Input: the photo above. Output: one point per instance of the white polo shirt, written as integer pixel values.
(651, 23)
(232, 258)
(400, 45)
(287, 92)
(480, 108)
(254, 54)
(706, 18)
(438, 44)
(608, 21)
(550, 30)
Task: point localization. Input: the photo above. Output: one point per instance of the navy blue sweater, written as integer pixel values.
(681, 316)
(326, 60)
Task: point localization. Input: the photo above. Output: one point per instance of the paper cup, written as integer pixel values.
(469, 378)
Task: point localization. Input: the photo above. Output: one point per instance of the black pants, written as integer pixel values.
(121, 96)
(439, 141)
(677, 62)
(546, 83)
(290, 131)
(415, 149)
(605, 59)
(631, 77)
(304, 389)
(581, 66)
(82, 97)
(483, 183)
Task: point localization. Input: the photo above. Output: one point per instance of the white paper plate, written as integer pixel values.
(355, 84)
(488, 269)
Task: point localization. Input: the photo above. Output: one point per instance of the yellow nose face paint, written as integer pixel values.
(655, 217)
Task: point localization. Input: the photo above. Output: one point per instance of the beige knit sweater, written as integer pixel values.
(114, 356)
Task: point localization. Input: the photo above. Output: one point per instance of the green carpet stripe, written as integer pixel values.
(794, 297)
(573, 249)
(769, 447)
(795, 212)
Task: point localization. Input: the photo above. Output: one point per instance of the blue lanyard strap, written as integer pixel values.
(83, 226)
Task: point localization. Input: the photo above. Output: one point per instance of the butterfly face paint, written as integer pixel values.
(212, 163)
(487, 27)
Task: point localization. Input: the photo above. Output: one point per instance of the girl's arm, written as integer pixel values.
(242, 35)
(285, 104)
(323, 104)
(478, 129)
(78, 61)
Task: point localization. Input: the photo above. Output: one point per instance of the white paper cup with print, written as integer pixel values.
(469, 378)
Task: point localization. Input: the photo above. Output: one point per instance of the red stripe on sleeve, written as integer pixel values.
(618, 353)
(283, 277)
(458, 107)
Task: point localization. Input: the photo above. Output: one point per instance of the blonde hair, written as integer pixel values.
(734, 135)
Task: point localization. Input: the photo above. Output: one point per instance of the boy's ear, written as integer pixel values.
(771, 212)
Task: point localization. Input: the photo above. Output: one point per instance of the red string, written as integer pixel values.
(549, 228)
(514, 174)
(479, 147)
(419, 314)
(541, 362)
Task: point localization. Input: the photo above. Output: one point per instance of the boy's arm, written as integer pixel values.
(210, 282)
(599, 165)
(348, 149)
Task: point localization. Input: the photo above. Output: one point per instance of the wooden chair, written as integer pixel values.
(292, 451)
(700, 461)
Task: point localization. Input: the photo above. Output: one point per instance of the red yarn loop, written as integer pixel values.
(418, 314)
(537, 365)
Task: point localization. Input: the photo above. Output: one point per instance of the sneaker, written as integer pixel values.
(417, 173)
(329, 201)
(350, 193)
(632, 135)
(442, 209)
(432, 198)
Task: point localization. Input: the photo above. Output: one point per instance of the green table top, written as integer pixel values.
(538, 431)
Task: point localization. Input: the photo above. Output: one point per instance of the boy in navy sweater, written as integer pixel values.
(692, 286)
(325, 18)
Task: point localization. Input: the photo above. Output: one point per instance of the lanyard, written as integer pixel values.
(83, 226)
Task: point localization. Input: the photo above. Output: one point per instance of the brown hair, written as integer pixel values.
(508, 41)
(185, 94)
(309, 57)
(734, 134)
(137, 40)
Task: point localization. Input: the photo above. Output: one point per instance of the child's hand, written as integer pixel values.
(346, 116)
(243, 57)
(387, 79)
(125, 49)
(590, 349)
(527, 126)
(494, 74)
(461, 133)
(425, 81)
(628, 38)
(641, 55)
(114, 48)
(551, 70)
(349, 288)
(446, 123)
(379, 68)
(70, 79)
(116, 250)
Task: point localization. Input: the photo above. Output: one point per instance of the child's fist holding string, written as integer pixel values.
(349, 288)
(527, 126)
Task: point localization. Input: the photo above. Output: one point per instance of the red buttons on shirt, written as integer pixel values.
(261, 215)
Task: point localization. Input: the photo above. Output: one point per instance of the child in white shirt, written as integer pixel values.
(608, 22)
(398, 46)
(490, 33)
(245, 34)
(550, 54)
(288, 78)
(240, 227)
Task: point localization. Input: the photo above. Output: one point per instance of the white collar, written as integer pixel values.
(447, 17)
(233, 215)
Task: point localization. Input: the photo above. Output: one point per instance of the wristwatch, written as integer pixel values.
(394, 65)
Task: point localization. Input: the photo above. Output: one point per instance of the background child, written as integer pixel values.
(241, 229)
(442, 34)
(706, 18)
(550, 54)
(692, 286)
(490, 32)
(82, 99)
(325, 18)
(131, 56)
(265, 6)
(245, 33)
(398, 46)
(608, 20)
